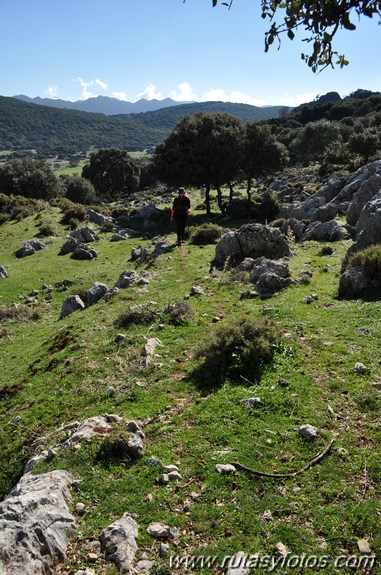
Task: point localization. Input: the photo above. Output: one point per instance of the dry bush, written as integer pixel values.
(20, 313)
(137, 315)
(178, 312)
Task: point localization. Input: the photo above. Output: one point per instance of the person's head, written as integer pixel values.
(181, 192)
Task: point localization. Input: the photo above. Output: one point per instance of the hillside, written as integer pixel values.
(50, 131)
(59, 371)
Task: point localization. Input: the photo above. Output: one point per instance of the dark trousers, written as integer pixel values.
(180, 227)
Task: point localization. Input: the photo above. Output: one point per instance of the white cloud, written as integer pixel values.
(237, 97)
(101, 84)
(52, 92)
(150, 93)
(288, 99)
(185, 93)
(120, 96)
(86, 93)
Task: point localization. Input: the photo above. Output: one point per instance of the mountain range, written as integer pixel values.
(103, 104)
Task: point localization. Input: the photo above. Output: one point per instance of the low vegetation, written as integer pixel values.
(217, 349)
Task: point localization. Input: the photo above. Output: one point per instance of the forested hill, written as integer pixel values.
(50, 131)
(166, 118)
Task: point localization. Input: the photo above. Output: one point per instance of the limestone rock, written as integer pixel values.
(96, 292)
(225, 468)
(308, 432)
(251, 240)
(35, 524)
(71, 304)
(118, 543)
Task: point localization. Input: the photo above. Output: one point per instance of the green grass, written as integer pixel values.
(57, 371)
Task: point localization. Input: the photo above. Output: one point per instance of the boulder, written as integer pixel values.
(126, 278)
(100, 219)
(29, 248)
(324, 232)
(36, 525)
(84, 235)
(96, 292)
(270, 283)
(118, 543)
(353, 282)
(367, 190)
(265, 266)
(83, 252)
(251, 240)
(68, 247)
(71, 304)
(297, 228)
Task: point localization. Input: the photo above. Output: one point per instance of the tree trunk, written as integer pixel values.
(231, 192)
(219, 200)
(248, 189)
(207, 199)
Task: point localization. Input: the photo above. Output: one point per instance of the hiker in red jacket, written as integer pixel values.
(180, 209)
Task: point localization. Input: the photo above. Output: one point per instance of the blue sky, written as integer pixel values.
(131, 49)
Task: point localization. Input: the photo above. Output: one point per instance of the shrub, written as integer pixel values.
(207, 233)
(115, 447)
(20, 313)
(243, 346)
(326, 251)
(137, 314)
(48, 228)
(75, 212)
(369, 259)
(178, 312)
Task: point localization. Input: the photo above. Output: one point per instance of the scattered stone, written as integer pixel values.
(282, 549)
(363, 546)
(197, 290)
(162, 531)
(87, 571)
(360, 368)
(283, 383)
(267, 516)
(71, 304)
(3, 272)
(80, 508)
(118, 543)
(163, 550)
(174, 476)
(92, 557)
(251, 401)
(120, 337)
(225, 468)
(308, 432)
(148, 350)
(169, 468)
(249, 294)
(144, 567)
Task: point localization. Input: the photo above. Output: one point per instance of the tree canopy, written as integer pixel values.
(320, 19)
